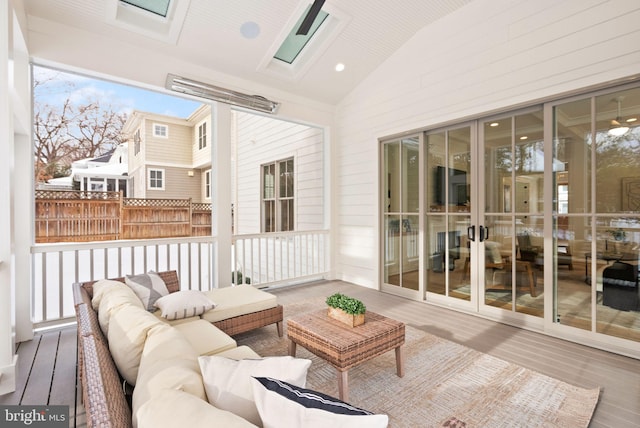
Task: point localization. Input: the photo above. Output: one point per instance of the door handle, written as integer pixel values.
(487, 233)
(471, 233)
(481, 233)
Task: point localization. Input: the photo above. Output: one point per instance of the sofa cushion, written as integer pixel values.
(128, 330)
(101, 288)
(183, 304)
(111, 298)
(168, 362)
(173, 408)
(282, 404)
(228, 382)
(206, 338)
(149, 287)
(239, 300)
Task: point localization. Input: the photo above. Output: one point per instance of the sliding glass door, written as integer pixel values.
(449, 203)
(400, 217)
(596, 142)
(531, 217)
(512, 218)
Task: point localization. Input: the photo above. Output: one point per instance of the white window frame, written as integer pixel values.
(207, 184)
(157, 126)
(163, 178)
(277, 196)
(202, 135)
(137, 140)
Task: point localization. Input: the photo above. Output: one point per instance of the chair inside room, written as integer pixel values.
(438, 258)
(620, 287)
(535, 254)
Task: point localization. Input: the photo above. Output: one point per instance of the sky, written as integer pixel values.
(60, 86)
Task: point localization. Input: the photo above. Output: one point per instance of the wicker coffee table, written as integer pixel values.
(345, 347)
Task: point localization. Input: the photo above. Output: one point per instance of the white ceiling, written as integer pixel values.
(210, 36)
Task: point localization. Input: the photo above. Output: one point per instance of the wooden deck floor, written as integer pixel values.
(47, 373)
(47, 364)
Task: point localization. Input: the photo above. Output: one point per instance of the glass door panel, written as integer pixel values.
(572, 202)
(596, 147)
(617, 216)
(401, 202)
(514, 203)
(448, 197)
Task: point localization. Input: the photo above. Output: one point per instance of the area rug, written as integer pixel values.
(445, 384)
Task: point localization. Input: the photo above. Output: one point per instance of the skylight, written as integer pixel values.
(159, 7)
(295, 43)
(158, 19)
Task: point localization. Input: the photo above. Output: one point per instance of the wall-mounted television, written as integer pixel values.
(458, 186)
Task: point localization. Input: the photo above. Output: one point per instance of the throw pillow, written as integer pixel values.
(228, 386)
(281, 404)
(149, 287)
(183, 304)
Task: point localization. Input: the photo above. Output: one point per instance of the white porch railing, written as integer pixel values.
(272, 258)
(266, 259)
(57, 266)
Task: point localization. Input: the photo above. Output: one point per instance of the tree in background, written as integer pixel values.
(68, 127)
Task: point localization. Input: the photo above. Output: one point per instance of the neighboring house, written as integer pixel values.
(278, 166)
(170, 157)
(107, 172)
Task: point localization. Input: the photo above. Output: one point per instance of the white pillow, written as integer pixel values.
(149, 287)
(183, 304)
(281, 404)
(228, 386)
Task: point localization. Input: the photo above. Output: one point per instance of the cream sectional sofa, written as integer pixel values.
(119, 340)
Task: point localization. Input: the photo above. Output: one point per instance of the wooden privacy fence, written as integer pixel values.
(78, 216)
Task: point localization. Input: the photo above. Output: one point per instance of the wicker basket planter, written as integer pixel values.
(343, 317)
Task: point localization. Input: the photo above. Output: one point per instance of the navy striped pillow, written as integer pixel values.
(311, 399)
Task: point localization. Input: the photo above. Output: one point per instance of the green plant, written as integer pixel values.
(237, 278)
(348, 304)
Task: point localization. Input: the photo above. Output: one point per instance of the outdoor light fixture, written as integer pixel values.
(616, 128)
(216, 93)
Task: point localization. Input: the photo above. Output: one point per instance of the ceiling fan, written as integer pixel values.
(311, 16)
(617, 128)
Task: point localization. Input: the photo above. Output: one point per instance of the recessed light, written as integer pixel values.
(250, 30)
(632, 119)
(494, 124)
(524, 137)
(339, 66)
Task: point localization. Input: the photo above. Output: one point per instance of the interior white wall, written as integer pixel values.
(487, 56)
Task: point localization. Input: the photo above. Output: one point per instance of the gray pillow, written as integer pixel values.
(149, 287)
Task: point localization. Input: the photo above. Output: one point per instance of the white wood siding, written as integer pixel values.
(202, 157)
(487, 56)
(262, 140)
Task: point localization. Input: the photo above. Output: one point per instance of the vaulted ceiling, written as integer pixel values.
(239, 37)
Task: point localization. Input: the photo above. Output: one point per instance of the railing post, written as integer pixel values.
(191, 217)
(120, 215)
